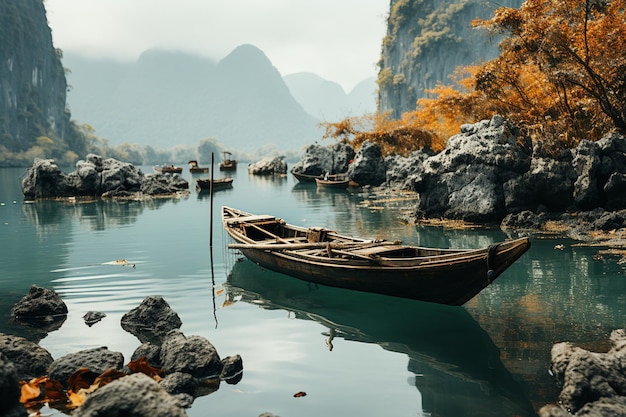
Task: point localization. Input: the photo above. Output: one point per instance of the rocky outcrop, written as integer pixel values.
(593, 384)
(186, 366)
(417, 33)
(319, 160)
(368, 167)
(97, 177)
(268, 166)
(32, 82)
(490, 172)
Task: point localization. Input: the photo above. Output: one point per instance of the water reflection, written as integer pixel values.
(456, 365)
(96, 215)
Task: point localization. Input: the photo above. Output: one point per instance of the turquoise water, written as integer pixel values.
(352, 353)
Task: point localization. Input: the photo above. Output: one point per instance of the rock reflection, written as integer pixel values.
(98, 214)
(457, 367)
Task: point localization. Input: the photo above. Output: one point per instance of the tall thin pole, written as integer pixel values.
(211, 240)
(211, 203)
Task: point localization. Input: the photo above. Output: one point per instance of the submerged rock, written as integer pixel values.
(39, 304)
(151, 321)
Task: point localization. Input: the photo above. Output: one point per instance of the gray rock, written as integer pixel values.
(403, 173)
(92, 317)
(155, 184)
(96, 177)
(368, 167)
(193, 355)
(150, 352)
(10, 390)
(45, 180)
(96, 360)
(134, 395)
(151, 321)
(318, 159)
(29, 359)
(268, 166)
(467, 179)
(232, 370)
(39, 304)
(593, 383)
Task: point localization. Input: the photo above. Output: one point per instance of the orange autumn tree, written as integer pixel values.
(562, 70)
(393, 136)
(560, 76)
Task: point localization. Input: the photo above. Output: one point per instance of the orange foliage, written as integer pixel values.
(42, 390)
(561, 77)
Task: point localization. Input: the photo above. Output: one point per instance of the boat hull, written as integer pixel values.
(321, 256)
(452, 283)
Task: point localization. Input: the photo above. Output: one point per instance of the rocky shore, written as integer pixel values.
(488, 174)
(98, 177)
(167, 371)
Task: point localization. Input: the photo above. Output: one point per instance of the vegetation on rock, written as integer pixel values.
(560, 76)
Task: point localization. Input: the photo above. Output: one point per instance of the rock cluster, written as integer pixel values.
(488, 171)
(319, 160)
(95, 177)
(594, 384)
(191, 365)
(268, 166)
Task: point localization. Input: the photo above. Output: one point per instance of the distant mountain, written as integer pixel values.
(327, 101)
(169, 98)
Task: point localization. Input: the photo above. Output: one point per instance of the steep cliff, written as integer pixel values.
(426, 40)
(32, 84)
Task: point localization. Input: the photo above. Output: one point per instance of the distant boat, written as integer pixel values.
(322, 256)
(218, 184)
(228, 164)
(196, 169)
(333, 181)
(167, 169)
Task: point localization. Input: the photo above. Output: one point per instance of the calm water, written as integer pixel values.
(352, 353)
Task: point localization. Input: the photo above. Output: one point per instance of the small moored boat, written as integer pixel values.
(322, 256)
(335, 181)
(218, 184)
(228, 164)
(194, 168)
(167, 169)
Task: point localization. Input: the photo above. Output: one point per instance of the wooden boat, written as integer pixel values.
(218, 184)
(228, 164)
(322, 256)
(305, 177)
(311, 178)
(167, 169)
(196, 169)
(336, 182)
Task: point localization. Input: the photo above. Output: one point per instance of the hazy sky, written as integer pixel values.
(339, 40)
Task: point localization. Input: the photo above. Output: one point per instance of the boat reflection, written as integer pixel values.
(457, 367)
